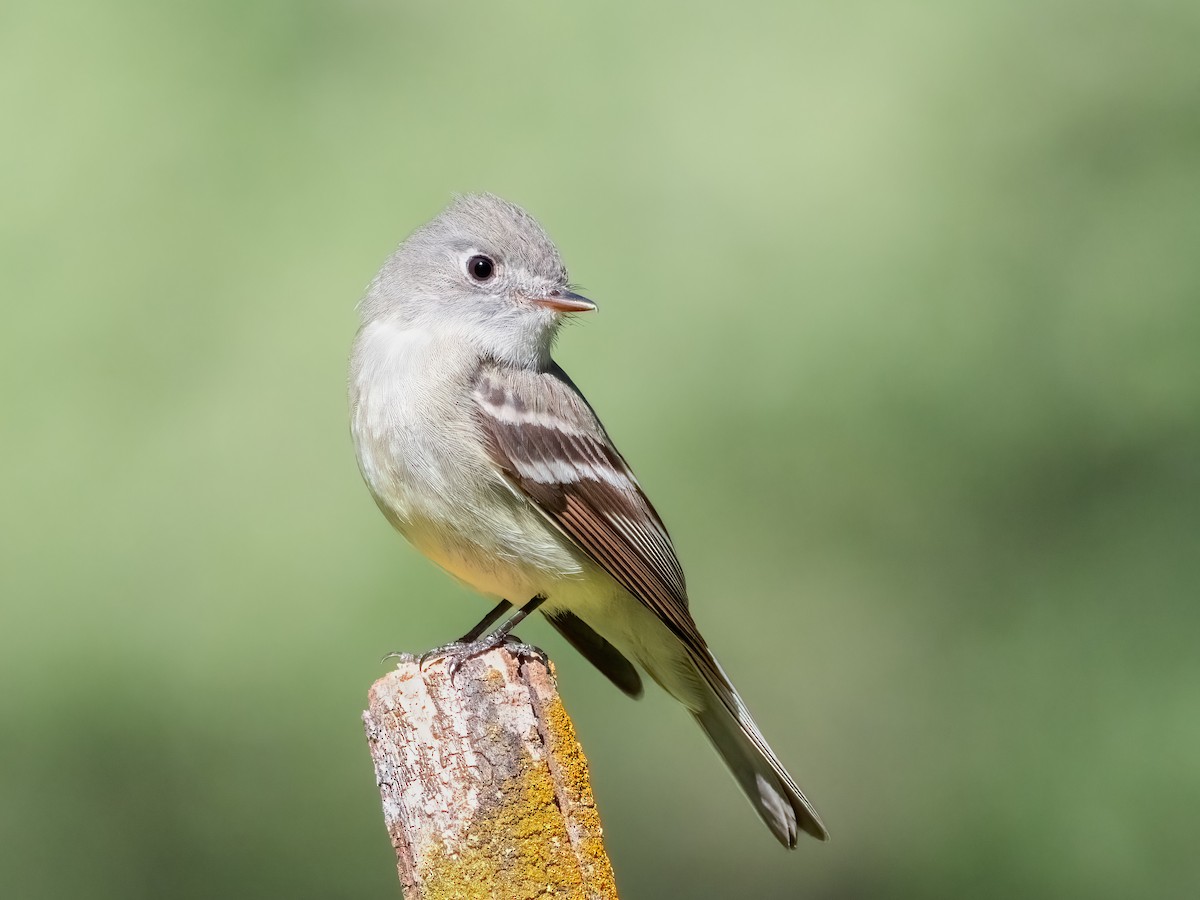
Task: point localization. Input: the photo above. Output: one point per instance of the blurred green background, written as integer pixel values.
(900, 327)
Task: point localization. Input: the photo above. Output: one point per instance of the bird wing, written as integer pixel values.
(545, 438)
(551, 447)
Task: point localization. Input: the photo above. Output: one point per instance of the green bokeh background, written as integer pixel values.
(900, 327)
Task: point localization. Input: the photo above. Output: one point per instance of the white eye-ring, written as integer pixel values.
(481, 268)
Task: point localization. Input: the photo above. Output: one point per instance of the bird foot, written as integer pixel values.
(458, 652)
(400, 655)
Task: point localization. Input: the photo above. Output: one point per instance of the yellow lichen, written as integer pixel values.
(572, 767)
(568, 754)
(519, 848)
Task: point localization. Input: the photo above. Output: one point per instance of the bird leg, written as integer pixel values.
(472, 644)
(486, 622)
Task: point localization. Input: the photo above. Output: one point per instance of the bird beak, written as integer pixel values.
(562, 300)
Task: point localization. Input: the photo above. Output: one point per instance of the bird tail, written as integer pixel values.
(772, 791)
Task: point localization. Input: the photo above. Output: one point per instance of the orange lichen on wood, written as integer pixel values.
(484, 784)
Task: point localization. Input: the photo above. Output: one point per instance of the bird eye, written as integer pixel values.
(481, 268)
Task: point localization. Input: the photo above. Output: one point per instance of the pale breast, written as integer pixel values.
(420, 452)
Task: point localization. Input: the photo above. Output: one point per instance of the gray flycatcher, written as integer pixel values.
(485, 455)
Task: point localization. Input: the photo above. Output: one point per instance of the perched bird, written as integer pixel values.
(483, 453)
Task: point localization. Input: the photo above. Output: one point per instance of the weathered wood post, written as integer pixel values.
(484, 786)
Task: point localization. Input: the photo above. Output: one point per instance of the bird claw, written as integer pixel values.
(451, 649)
(459, 652)
(398, 654)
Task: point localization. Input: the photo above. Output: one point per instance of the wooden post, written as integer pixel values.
(484, 785)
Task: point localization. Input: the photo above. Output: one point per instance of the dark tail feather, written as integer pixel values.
(599, 652)
(775, 796)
